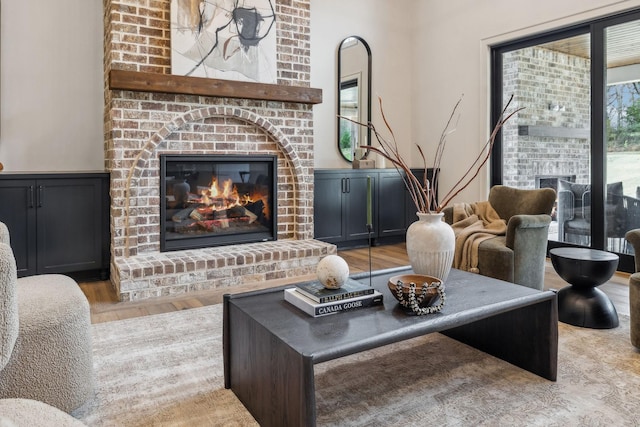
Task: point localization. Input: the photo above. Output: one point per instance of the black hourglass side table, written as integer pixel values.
(582, 303)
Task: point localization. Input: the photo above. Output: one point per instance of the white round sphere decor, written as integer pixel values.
(332, 271)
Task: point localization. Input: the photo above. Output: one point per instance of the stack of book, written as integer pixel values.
(316, 300)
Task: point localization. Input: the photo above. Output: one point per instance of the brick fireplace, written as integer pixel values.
(142, 125)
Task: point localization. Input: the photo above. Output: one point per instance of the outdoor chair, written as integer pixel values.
(574, 212)
(632, 210)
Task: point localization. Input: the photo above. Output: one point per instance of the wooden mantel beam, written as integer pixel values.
(165, 83)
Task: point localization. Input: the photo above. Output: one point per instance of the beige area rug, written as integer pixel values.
(166, 370)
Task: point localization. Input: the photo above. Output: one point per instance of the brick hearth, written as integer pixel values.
(168, 273)
(139, 126)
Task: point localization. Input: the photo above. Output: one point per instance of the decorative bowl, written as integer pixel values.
(420, 281)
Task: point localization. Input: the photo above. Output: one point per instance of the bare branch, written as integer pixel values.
(423, 192)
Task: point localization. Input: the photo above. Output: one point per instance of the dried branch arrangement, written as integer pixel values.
(421, 191)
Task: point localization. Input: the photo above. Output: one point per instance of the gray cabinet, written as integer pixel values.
(59, 222)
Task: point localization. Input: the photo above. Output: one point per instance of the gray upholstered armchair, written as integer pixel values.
(518, 256)
(633, 237)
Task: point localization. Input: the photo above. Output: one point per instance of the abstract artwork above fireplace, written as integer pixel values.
(216, 200)
(224, 39)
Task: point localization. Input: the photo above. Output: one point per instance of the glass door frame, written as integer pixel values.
(596, 29)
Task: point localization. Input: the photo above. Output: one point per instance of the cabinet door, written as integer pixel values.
(17, 211)
(70, 223)
(356, 205)
(392, 205)
(327, 207)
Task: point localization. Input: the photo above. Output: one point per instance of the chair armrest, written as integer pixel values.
(566, 205)
(519, 222)
(633, 237)
(527, 236)
(586, 205)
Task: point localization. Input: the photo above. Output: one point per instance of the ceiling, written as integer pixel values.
(623, 45)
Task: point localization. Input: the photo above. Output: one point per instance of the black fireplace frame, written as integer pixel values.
(204, 241)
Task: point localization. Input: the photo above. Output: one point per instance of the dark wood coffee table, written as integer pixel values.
(271, 347)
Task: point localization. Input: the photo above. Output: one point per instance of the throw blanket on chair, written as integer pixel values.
(473, 224)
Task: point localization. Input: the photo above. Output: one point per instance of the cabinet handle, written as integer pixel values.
(348, 185)
(40, 196)
(30, 197)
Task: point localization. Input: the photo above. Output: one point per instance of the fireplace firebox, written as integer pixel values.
(216, 200)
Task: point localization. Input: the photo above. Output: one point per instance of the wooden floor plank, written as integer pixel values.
(105, 306)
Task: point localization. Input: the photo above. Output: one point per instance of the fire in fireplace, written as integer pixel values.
(214, 200)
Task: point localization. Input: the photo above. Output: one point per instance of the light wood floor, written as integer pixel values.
(106, 307)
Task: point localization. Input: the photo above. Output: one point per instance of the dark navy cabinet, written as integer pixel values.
(393, 207)
(340, 205)
(59, 222)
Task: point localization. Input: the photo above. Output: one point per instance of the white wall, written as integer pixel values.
(425, 55)
(51, 85)
(451, 51)
(386, 26)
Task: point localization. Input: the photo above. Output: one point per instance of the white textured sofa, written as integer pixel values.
(31, 413)
(45, 336)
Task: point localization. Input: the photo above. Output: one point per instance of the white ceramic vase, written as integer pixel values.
(431, 245)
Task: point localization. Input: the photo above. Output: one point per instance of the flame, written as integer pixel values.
(214, 191)
(228, 196)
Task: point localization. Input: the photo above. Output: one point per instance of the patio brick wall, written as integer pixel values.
(555, 89)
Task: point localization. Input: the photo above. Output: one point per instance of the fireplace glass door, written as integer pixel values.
(209, 200)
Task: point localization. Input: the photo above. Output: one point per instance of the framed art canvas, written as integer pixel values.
(224, 39)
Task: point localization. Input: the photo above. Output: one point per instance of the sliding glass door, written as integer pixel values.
(622, 132)
(579, 131)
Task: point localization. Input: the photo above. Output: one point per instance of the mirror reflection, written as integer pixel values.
(354, 96)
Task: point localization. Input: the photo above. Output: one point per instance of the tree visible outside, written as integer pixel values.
(623, 117)
(623, 130)
(346, 145)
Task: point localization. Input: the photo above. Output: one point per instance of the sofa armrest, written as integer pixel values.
(4, 234)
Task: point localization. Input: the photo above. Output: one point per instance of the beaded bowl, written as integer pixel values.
(426, 291)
